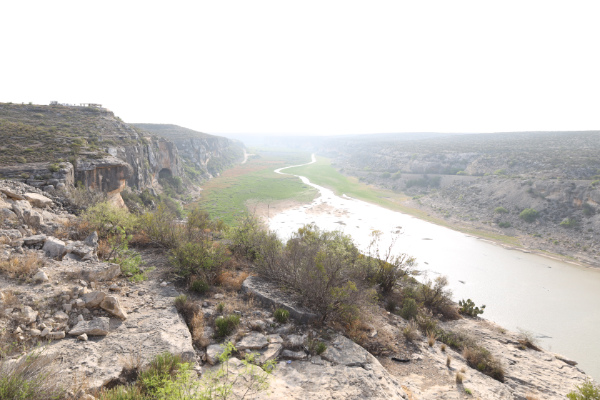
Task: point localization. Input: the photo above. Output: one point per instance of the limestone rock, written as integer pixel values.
(60, 316)
(11, 194)
(99, 272)
(268, 294)
(56, 335)
(294, 355)
(294, 342)
(270, 353)
(40, 277)
(213, 352)
(91, 240)
(33, 218)
(33, 240)
(112, 305)
(344, 351)
(54, 248)
(93, 299)
(37, 200)
(83, 337)
(96, 327)
(252, 341)
(28, 315)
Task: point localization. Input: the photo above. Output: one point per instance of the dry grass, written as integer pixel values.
(4, 240)
(431, 338)
(232, 280)
(448, 361)
(197, 329)
(459, 377)
(194, 317)
(28, 378)
(236, 303)
(443, 347)
(104, 249)
(531, 397)
(22, 267)
(411, 332)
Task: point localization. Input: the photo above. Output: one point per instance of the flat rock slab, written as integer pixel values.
(344, 351)
(272, 297)
(37, 200)
(54, 248)
(146, 333)
(252, 341)
(96, 327)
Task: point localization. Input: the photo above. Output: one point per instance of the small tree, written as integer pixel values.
(529, 214)
(586, 391)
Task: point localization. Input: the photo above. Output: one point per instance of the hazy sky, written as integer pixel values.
(318, 67)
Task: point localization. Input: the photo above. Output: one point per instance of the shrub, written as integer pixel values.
(588, 210)
(161, 228)
(199, 286)
(107, 219)
(459, 377)
(431, 338)
(281, 315)
(500, 210)
(528, 340)
(504, 224)
(410, 332)
(199, 259)
(468, 391)
(409, 309)
(220, 307)
(586, 391)
(481, 359)
(529, 214)
(569, 223)
(226, 325)
(437, 298)
(467, 307)
(22, 267)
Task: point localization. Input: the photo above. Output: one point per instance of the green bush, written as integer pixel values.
(281, 315)
(586, 391)
(226, 325)
(569, 223)
(588, 210)
(108, 219)
(409, 309)
(199, 259)
(500, 210)
(161, 228)
(437, 298)
(199, 286)
(529, 214)
(504, 224)
(482, 360)
(467, 307)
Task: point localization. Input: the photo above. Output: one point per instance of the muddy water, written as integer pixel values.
(558, 302)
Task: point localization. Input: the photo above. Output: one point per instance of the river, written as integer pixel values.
(556, 301)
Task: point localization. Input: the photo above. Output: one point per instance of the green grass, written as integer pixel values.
(237, 190)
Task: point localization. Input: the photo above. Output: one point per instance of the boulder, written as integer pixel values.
(96, 327)
(294, 355)
(213, 352)
(54, 248)
(40, 277)
(56, 335)
(33, 218)
(11, 194)
(270, 353)
(344, 351)
(294, 342)
(100, 272)
(7, 215)
(93, 299)
(37, 200)
(92, 240)
(112, 305)
(28, 315)
(272, 297)
(252, 341)
(60, 316)
(34, 240)
(82, 251)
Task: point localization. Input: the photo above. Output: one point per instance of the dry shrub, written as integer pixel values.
(431, 338)
(459, 377)
(531, 397)
(231, 280)
(78, 228)
(4, 240)
(448, 361)
(197, 329)
(22, 267)
(104, 249)
(482, 360)
(410, 332)
(29, 378)
(194, 318)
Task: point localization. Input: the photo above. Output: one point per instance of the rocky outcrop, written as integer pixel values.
(206, 154)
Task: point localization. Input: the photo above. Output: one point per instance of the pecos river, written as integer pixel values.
(558, 302)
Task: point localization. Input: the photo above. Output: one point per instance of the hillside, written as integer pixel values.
(488, 180)
(204, 155)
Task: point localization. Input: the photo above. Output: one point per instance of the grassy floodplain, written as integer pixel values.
(324, 174)
(228, 196)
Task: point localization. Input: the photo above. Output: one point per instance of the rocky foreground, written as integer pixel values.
(95, 321)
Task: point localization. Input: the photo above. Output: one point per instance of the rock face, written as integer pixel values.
(96, 327)
(207, 153)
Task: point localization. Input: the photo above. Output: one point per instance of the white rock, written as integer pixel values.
(83, 337)
(93, 299)
(40, 277)
(213, 352)
(37, 200)
(252, 341)
(54, 248)
(56, 335)
(112, 305)
(96, 327)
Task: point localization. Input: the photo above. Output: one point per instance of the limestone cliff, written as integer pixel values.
(203, 154)
(52, 146)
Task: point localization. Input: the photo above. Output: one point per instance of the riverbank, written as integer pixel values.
(324, 173)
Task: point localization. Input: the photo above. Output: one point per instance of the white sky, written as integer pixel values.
(317, 67)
